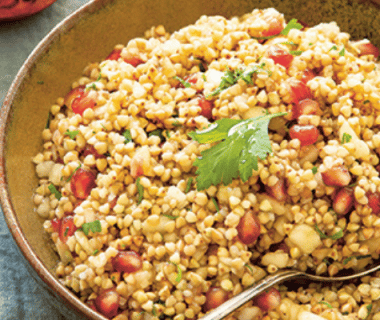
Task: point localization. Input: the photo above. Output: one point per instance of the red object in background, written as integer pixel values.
(18, 9)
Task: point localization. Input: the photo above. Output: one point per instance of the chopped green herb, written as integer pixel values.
(290, 43)
(71, 175)
(345, 313)
(188, 186)
(347, 260)
(215, 204)
(335, 236)
(204, 77)
(154, 311)
(346, 138)
(292, 24)
(47, 126)
(231, 77)
(140, 190)
(326, 261)
(310, 44)
(176, 123)
(170, 217)
(40, 82)
(94, 226)
(91, 86)
(103, 126)
(242, 144)
(334, 48)
(179, 272)
(249, 267)
(95, 252)
(54, 191)
(201, 67)
(99, 76)
(158, 133)
(342, 52)
(326, 303)
(66, 231)
(127, 135)
(314, 170)
(352, 185)
(369, 309)
(183, 82)
(366, 101)
(295, 52)
(71, 134)
(167, 132)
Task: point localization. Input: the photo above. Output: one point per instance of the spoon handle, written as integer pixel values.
(237, 301)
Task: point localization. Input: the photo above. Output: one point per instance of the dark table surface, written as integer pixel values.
(20, 296)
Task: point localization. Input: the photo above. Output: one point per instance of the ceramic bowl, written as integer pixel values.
(86, 36)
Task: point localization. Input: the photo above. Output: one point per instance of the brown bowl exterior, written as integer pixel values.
(86, 36)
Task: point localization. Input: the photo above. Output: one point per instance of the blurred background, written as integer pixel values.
(20, 296)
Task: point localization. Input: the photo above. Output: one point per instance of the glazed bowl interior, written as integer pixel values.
(88, 36)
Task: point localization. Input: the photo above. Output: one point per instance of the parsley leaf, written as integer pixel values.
(369, 309)
(347, 260)
(334, 48)
(295, 52)
(231, 77)
(91, 86)
(188, 186)
(346, 138)
(335, 236)
(243, 143)
(249, 267)
(170, 217)
(96, 251)
(140, 189)
(314, 170)
(158, 133)
(54, 191)
(179, 272)
(326, 303)
(183, 82)
(94, 226)
(127, 135)
(71, 134)
(215, 204)
(341, 52)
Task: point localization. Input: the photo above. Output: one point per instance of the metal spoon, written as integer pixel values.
(237, 301)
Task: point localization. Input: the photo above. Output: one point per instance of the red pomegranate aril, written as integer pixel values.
(306, 134)
(274, 28)
(343, 201)
(206, 106)
(299, 91)
(82, 182)
(56, 224)
(73, 94)
(89, 149)
(368, 49)
(307, 76)
(278, 191)
(307, 107)
(91, 304)
(374, 202)
(215, 296)
(133, 60)
(248, 228)
(114, 55)
(191, 78)
(268, 300)
(280, 56)
(127, 261)
(82, 103)
(336, 177)
(107, 303)
(67, 228)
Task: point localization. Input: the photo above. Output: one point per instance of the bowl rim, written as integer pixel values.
(55, 287)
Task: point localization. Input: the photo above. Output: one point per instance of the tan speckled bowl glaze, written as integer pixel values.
(86, 36)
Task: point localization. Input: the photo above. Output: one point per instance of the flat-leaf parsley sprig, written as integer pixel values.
(242, 144)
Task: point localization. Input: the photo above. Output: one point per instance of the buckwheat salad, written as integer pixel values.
(186, 167)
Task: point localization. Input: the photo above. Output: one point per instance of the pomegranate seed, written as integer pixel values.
(305, 107)
(336, 176)
(56, 224)
(278, 191)
(248, 228)
(206, 106)
(279, 246)
(114, 55)
(215, 296)
(127, 261)
(299, 91)
(275, 26)
(212, 250)
(82, 183)
(368, 49)
(280, 56)
(191, 78)
(113, 202)
(107, 303)
(374, 202)
(89, 149)
(307, 76)
(73, 94)
(82, 103)
(67, 228)
(133, 60)
(91, 304)
(306, 134)
(343, 201)
(268, 300)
